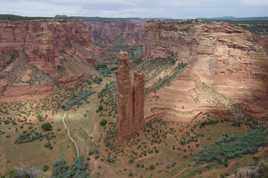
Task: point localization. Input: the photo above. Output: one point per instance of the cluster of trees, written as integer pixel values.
(229, 147)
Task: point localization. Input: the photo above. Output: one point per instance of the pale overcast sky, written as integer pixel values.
(136, 8)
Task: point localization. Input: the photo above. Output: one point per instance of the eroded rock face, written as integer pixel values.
(138, 101)
(130, 100)
(34, 54)
(109, 37)
(169, 39)
(228, 65)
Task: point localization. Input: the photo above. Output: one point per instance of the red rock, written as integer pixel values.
(138, 101)
(130, 100)
(63, 50)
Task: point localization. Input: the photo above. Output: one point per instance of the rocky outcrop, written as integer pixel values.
(35, 55)
(38, 53)
(169, 39)
(130, 100)
(109, 37)
(227, 66)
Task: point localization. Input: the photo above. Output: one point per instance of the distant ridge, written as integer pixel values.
(230, 18)
(12, 17)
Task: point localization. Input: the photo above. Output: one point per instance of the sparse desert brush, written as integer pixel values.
(103, 122)
(77, 170)
(47, 126)
(229, 147)
(264, 168)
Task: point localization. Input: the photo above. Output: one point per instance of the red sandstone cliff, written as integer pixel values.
(37, 55)
(110, 37)
(227, 65)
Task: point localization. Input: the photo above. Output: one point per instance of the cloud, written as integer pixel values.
(136, 8)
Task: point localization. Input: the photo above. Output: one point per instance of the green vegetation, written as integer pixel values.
(155, 66)
(110, 135)
(239, 117)
(210, 119)
(45, 168)
(103, 122)
(259, 26)
(104, 70)
(135, 54)
(47, 126)
(40, 116)
(28, 137)
(159, 72)
(264, 168)
(107, 100)
(10, 17)
(229, 147)
(165, 80)
(76, 100)
(22, 173)
(78, 169)
(97, 80)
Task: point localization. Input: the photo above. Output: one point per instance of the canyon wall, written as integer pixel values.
(109, 37)
(169, 39)
(227, 66)
(36, 56)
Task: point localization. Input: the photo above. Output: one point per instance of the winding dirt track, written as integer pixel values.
(70, 136)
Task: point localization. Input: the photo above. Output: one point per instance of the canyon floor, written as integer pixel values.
(205, 105)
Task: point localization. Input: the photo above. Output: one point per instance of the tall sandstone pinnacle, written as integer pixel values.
(130, 100)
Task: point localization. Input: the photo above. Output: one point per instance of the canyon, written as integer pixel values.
(185, 84)
(37, 56)
(225, 60)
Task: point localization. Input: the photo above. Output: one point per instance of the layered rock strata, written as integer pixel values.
(36, 56)
(130, 100)
(227, 66)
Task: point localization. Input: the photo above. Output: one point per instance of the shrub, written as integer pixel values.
(152, 167)
(107, 98)
(97, 80)
(229, 147)
(110, 159)
(76, 100)
(77, 170)
(104, 70)
(28, 137)
(103, 122)
(166, 79)
(39, 116)
(47, 126)
(264, 168)
(45, 168)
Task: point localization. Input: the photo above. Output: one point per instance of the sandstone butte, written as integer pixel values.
(226, 64)
(130, 99)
